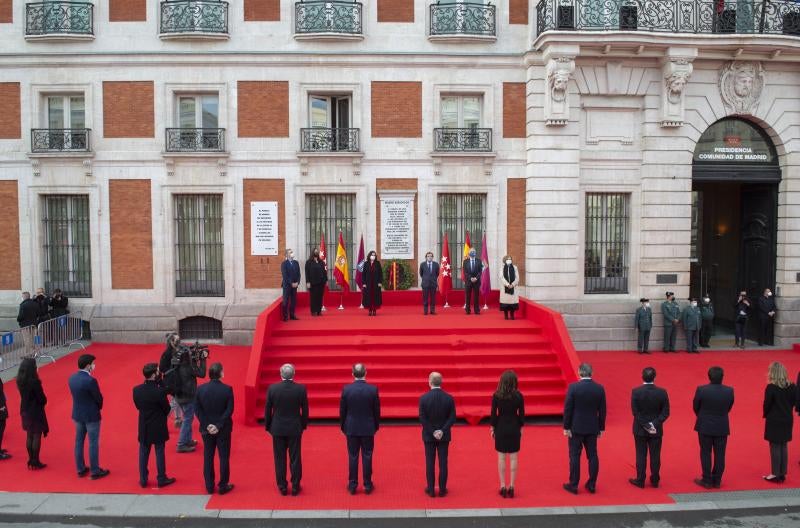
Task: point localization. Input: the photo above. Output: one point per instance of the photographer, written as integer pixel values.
(58, 304)
(185, 365)
(742, 309)
(42, 306)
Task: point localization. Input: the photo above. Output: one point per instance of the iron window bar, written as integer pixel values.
(67, 248)
(329, 139)
(194, 16)
(195, 139)
(328, 214)
(460, 214)
(462, 139)
(606, 249)
(463, 18)
(199, 247)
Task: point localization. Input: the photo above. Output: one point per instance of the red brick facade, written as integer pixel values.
(262, 10)
(10, 274)
(131, 225)
(264, 271)
(514, 110)
(515, 226)
(10, 118)
(127, 10)
(263, 108)
(518, 12)
(396, 109)
(128, 110)
(6, 12)
(395, 10)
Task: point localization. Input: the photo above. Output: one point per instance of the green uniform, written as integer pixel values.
(671, 311)
(643, 322)
(692, 321)
(707, 328)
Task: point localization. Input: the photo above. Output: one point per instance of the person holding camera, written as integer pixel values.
(185, 366)
(42, 306)
(58, 304)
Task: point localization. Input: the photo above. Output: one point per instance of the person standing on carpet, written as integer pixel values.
(780, 399)
(437, 414)
(3, 418)
(87, 401)
(290, 280)
(643, 322)
(359, 418)
(316, 278)
(650, 408)
(429, 275)
(509, 297)
(372, 278)
(32, 401)
(285, 418)
(692, 321)
(671, 311)
(214, 412)
(742, 308)
(473, 269)
(766, 317)
(507, 418)
(150, 400)
(584, 423)
(707, 314)
(712, 404)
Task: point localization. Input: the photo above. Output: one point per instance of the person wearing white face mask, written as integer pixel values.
(372, 278)
(429, 275)
(707, 314)
(643, 322)
(766, 315)
(290, 280)
(692, 321)
(509, 296)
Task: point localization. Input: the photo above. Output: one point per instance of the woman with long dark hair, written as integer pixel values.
(371, 283)
(507, 419)
(31, 408)
(780, 398)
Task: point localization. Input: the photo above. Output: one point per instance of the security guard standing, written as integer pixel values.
(643, 321)
(707, 313)
(672, 313)
(692, 321)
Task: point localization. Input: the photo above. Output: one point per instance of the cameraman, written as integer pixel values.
(180, 378)
(59, 304)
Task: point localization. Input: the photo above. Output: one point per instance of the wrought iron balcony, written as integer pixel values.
(60, 140)
(463, 18)
(329, 140)
(670, 16)
(194, 17)
(63, 19)
(195, 140)
(462, 139)
(319, 17)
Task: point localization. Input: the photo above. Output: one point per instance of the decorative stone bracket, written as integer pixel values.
(305, 157)
(558, 72)
(676, 71)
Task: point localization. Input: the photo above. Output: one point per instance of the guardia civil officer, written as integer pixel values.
(671, 311)
(643, 321)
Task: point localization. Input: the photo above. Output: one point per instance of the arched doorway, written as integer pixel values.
(735, 177)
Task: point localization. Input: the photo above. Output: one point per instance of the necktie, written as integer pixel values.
(430, 267)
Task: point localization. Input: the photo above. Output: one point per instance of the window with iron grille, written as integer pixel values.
(328, 214)
(607, 241)
(460, 214)
(199, 270)
(67, 250)
(200, 327)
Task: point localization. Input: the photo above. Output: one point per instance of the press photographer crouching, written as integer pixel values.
(181, 365)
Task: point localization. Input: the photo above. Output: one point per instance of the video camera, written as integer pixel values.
(195, 351)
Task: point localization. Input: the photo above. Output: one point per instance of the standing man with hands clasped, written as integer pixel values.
(437, 414)
(290, 280)
(150, 400)
(671, 311)
(87, 400)
(214, 405)
(643, 321)
(650, 408)
(359, 418)
(584, 423)
(473, 269)
(429, 275)
(285, 418)
(712, 404)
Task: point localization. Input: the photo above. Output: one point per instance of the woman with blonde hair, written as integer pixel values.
(507, 419)
(509, 296)
(780, 398)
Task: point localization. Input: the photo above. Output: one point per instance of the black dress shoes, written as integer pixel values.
(702, 483)
(166, 482)
(637, 483)
(369, 489)
(442, 492)
(430, 493)
(100, 474)
(351, 490)
(590, 488)
(503, 492)
(283, 491)
(225, 489)
(293, 318)
(571, 489)
(296, 490)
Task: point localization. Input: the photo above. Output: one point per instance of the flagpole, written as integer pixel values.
(341, 301)
(445, 300)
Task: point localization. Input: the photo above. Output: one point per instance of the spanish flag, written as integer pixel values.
(467, 247)
(342, 272)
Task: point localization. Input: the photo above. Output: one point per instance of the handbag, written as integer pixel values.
(509, 290)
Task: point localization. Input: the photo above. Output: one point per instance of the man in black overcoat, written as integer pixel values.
(712, 404)
(285, 418)
(290, 280)
(437, 414)
(766, 318)
(359, 418)
(151, 402)
(650, 408)
(214, 405)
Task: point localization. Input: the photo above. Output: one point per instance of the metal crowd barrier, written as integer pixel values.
(65, 332)
(17, 345)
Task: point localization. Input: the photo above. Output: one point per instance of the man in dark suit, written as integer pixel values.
(87, 400)
(290, 279)
(285, 418)
(712, 404)
(650, 408)
(151, 401)
(473, 268)
(437, 414)
(359, 417)
(766, 316)
(429, 275)
(584, 423)
(28, 311)
(214, 405)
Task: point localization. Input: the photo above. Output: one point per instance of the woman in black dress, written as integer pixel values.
(371, 283)
(3, 417)
(780, 398)
(31, 407)
(507, 419)
(315, 282)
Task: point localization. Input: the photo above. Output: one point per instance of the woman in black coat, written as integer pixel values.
(3, 417)
(31, 408)
(507, 418)
(315, 281)
(780, 399)
(371, 283)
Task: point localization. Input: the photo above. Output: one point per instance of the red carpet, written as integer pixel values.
(399, 464)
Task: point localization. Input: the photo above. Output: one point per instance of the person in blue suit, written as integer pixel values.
(359, 417)
(214, 404)
(437, 414)
(473, 269)
(290, 280)
(429, 275)
(285, 418)
(584, 423)
(87, 401)
(712, 403)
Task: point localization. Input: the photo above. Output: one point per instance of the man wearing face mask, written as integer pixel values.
(290, 279)
(643, 321)
(429, 281)
(671, 311)
(692, 321)
(473, 268)
(707, 314)
(766, 315)
(315, 282)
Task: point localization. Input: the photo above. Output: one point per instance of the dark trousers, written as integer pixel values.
(2, 431)
(429, 299)
(280, 446)
(144, 458)
(432, 449)
(645, 444)
(739, 330)
(705, 332)
(765, 331)
(363, 445)
(643, 341)
(692, 339)
(289, 301)
(670, 336)
(221, 443)
(472, 291)
(315, 297)
(779, 458)
(717, 444)
(576, 444)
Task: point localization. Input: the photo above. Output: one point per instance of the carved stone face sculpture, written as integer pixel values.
(743, 82)
(560, 83)
(676, 83)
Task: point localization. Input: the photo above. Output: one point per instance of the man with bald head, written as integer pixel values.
(437, 414)
(359, 418)
(285, 418)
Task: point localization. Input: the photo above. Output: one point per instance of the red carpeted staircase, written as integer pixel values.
(400, 347)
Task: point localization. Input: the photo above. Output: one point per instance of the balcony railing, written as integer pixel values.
(195, 140)
(60, 140)
(463, 18)
(194, 16)
(462, 139)
(59, 18)
(329, 140)
(672, 16)
(327, 17)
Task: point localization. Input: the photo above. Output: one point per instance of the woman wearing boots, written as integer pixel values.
(31, 405)
(509, 296)
(372, 282)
